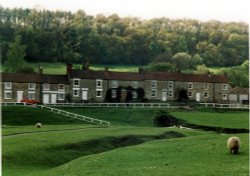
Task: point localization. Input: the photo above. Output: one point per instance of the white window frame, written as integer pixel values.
(170, 84)
(135, 84)
(97, 83)
(78, 93)
(30, 87)
(170, 93)
(61, 85)
(114, 84)
(100, 91)
(190, 85)
(134, 95)
(206, 86)
(113, 93)
(224, 96)
(79, 82)
(5, 94)
(8, 85)
(59, 98)
(32, 92)
(153, 84)
(154, 93)
(190, 94)
(224, 87)
(206, 93)
(46, 88)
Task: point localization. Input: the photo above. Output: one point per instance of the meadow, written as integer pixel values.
(132, 145)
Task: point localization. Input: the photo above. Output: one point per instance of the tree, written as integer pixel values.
(181, 60)
(15, 56)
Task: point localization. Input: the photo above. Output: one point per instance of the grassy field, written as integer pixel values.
(66, 147)
(60, 68)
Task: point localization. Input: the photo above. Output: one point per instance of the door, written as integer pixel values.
(45, 98)
(164, 95)
(53, 98)
(19, 96)
(198, 97)
(84, 95)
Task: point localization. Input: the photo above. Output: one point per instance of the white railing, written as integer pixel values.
(112, 105)
(225, 106)
(75, 116)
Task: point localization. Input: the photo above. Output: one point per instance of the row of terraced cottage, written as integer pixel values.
(105, 86)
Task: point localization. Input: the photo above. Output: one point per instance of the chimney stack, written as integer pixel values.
(40, 70)
(140, 70)
(69, 68)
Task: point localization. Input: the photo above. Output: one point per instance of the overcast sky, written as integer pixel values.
(222, 10)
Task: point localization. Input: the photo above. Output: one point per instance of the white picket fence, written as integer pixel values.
(225, 106)
(76, 116)
(112, 105)
(61, 112)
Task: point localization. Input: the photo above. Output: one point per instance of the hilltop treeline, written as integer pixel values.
(61, 36)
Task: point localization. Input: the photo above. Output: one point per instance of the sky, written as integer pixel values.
(204, 10)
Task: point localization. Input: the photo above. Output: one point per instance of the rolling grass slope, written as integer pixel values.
(71, 148)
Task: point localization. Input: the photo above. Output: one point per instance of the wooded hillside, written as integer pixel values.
(58, 36)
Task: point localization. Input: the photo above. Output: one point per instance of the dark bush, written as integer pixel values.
(163, 119)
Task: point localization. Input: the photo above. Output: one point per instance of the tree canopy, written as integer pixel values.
(59, 36)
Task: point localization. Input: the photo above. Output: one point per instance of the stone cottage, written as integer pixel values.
(106, 86)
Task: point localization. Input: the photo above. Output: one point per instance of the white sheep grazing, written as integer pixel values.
(233, 143)
(38, 125)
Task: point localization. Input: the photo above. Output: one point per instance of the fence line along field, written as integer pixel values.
(132, 145)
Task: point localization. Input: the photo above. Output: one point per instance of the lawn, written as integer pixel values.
(67, 147)
(60, 68)
(227, 119)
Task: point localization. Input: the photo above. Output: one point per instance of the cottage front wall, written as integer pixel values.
(19, 89)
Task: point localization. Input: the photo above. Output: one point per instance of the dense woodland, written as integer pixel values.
(59, 36)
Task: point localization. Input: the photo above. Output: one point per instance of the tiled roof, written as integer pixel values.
(34, 78)
(238, 90)
(161, 76)
(90, 74)
(108, 75)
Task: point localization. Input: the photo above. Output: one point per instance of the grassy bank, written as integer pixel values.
(131, 146)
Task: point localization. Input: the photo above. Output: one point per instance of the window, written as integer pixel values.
(31, 95)
(7, 85)
(153, 84)
(99, 83)
(190, 94)
(46, 86)
(76, 92)
(114, 95)
(60, 96)
(224, 87)
(205, 95)
(135, 84)
(134, 94)
(32, 86)
(224, 96)
(170, 93)
(153, 93)
(114, 84)
(61, 87)
(170, 84)
(98, 93)
(190, 85)
(7, 94)
(76, 82)
(205, 86)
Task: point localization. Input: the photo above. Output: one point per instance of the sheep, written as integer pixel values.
(233, 143)
(38, 125)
